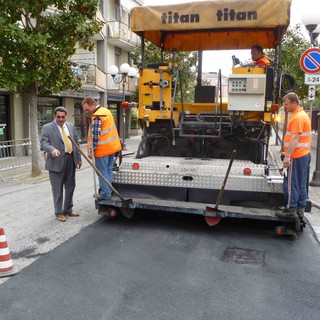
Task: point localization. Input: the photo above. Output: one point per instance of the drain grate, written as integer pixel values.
(244, 256)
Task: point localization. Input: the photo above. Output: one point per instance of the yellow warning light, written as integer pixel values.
(278, 118)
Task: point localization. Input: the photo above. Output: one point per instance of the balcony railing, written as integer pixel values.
(121, 32)
(91, 75)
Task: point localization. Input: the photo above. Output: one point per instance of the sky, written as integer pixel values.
(215, 60)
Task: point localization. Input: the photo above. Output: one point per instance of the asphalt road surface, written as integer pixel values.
(166, 266)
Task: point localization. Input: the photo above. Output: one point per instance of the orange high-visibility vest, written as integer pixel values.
(109, 141)
(262, 62)
(299, 122)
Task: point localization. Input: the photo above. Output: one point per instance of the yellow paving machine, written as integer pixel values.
(209, 157)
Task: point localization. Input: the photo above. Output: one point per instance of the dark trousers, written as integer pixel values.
(105, 166)
(295, 185)
(63, 181)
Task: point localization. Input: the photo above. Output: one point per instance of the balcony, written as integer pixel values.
(92, 77)
(120, 35)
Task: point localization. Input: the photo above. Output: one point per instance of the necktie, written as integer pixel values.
(66, 141)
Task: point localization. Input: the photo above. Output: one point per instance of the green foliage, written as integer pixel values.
(293, 45)
(185, 62)
(37, 39)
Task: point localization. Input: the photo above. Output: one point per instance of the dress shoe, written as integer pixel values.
(61, 218)
(72, 214)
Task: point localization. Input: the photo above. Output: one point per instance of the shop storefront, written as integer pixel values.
(4, 118)
(46, 106)
(81, 122)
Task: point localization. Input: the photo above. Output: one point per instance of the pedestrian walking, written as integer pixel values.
(103, 142)
(297, 158)
(62, 159)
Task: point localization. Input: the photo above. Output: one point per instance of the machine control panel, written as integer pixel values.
(246, 92)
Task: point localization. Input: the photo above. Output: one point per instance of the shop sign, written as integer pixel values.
(80, 94)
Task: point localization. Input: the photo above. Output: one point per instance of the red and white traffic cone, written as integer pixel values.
(6, 265)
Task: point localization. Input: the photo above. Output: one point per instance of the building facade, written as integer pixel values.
(112, 46)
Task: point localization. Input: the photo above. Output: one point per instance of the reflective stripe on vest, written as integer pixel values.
(299, 123)
(300, 144)
(108, 142)
(108, 130)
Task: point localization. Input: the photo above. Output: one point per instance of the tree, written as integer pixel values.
(292, 47)
(186, 62)
(38, 37)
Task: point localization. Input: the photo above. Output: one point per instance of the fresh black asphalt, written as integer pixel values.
(166, 266)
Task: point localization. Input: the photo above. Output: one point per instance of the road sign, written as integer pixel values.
(310, 61)
(311, 79)
(311, 93)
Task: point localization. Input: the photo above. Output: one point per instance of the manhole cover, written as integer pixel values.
(244, 256)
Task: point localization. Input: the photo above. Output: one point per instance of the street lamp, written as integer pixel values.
(126, 73)
(311, 20)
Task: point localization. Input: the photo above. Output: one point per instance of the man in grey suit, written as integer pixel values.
(62, 159)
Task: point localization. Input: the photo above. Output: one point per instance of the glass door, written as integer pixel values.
(81, 122)
(4, 118)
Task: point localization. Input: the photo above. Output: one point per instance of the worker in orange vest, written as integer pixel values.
(297, 158)
(258, 57)
(103, 142)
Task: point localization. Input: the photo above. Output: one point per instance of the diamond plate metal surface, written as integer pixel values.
(195, 173)
(190, 165)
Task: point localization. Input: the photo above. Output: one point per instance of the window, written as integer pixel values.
(117, 13)
(46, 106)
(101, 6)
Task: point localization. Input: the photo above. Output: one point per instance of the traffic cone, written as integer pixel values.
(6, 266)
